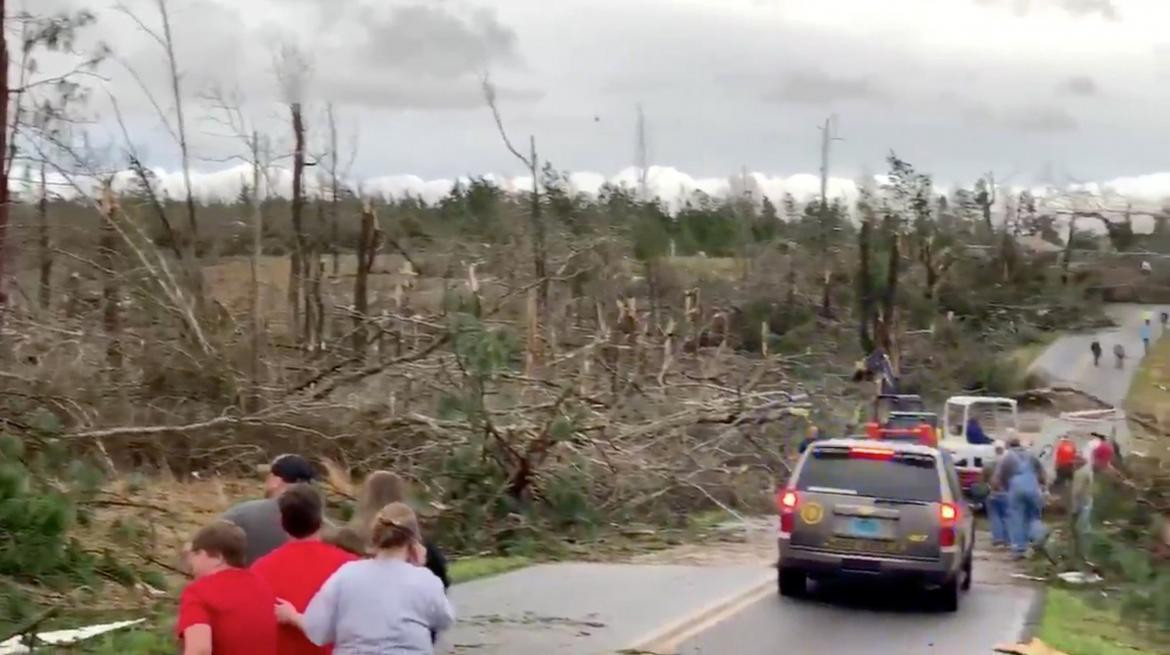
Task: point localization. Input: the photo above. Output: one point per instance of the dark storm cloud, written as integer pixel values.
(1081, 86)
(821, 89)
(1040, 119)
(1029, 118)
(430, 40)
(419, 56)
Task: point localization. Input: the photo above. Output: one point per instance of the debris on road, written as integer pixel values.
(1079, 578)
(1035, 647)
(17, 645)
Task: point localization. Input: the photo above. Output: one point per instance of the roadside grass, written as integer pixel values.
(1072, 625)
(472, 568)
(1019, 360)
(1149, 395)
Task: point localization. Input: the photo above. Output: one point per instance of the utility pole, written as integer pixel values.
(828, 136)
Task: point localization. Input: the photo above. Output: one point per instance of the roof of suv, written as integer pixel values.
(859, 442)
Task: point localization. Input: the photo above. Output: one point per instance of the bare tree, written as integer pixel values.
(334, 192)
(532, 163)
(4, 91)
(108, 259)
(178, 131)
(369, 241)
(985, 196)
(44, 243)
(292, 70)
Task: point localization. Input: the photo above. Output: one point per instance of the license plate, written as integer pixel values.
(865, 528)
(876, 546)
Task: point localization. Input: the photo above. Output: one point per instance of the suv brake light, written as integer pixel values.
(787, 502)
(948, 514)
(871, 453)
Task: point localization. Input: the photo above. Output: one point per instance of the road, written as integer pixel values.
(588, 609)
(878, 621)
(1068, 360)
(874, 622)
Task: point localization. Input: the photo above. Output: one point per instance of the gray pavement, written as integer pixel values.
(1068, 360)
(871, 621)
(584, 608)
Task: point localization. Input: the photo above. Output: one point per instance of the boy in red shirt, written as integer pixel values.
(296, 570)
(227, 610)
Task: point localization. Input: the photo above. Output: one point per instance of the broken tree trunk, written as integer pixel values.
(257, 249)
(4, 91)
(296, 278)
(111, 287)
(367, 252)
(45, 294)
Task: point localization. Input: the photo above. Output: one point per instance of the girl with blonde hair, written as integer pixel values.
(381, 488)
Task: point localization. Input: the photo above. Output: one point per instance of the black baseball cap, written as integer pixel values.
(293, 469)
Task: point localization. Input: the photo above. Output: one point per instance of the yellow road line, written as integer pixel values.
(668, 639)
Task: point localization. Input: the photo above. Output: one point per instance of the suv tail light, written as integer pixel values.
(787, 502)
(948, 515)
(871, 453)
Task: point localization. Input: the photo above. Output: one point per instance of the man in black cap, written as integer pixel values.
(260, 519)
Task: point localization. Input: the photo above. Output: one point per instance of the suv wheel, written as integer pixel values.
(948, 595)
(793, 583)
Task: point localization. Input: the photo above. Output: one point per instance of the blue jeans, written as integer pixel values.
(1026, 505)
(997, 514)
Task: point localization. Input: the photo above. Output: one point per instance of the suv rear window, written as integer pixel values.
(904, 477)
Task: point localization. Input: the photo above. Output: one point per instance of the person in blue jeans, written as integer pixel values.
(997, 501)
(1022, 475)
(1145, 333)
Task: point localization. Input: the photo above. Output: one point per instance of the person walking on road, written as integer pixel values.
(1119, 354)
(1022, 474)
(260, 519)
(1095, 348)
(997, 501)
(1145, 331)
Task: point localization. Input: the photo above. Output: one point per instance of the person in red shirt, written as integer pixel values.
(227, 610)
(296, 570)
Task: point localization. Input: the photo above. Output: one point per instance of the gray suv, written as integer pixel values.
(865, 508)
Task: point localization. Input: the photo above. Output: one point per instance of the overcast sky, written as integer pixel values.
(1032, 89)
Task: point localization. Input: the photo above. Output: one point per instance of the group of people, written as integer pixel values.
(1019, 490)
(1145, 332)
(274, 577)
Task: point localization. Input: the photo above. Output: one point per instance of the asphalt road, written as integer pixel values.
(877, 621)
(1068, 360)
(880, 621)
(586, 608)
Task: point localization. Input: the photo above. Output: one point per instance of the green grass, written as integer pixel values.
(472, 568)
(1021, 359)
(1073, 626)
(1148, 394)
